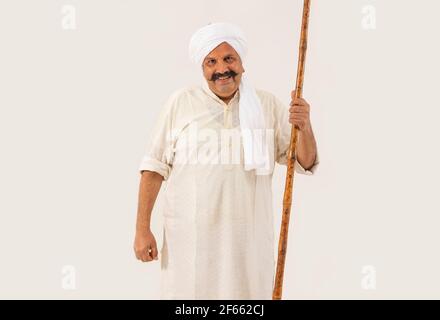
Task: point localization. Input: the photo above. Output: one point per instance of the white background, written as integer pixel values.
(77, 106)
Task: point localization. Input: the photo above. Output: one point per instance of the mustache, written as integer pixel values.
(230, 73)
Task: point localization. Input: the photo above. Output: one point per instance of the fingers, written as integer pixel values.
(145, 247)
(298, 118)
(298, 105)
(292, 94)
(299, 109)
(299, 112)
(147, 257)
(143, 255)
(154, 253)
(299, 124)
(299, 102)
(147, 254)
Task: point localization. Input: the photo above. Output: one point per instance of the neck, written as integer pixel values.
(227, 99)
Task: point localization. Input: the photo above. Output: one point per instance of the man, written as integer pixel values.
(218, 223)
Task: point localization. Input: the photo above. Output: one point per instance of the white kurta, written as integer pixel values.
(218, 220)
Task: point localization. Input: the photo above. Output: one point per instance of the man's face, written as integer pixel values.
(223, 69)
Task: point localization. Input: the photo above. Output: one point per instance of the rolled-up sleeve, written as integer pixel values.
(283, 130)
(151, 164)
(159, 153)
(299, 168)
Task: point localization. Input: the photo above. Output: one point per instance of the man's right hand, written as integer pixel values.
(145, 246)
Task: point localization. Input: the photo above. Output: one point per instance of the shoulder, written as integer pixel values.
(185, 95)
(270, 101)
(179, 94)
(178, 99)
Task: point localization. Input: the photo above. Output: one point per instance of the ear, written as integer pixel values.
(242, 70)
(241, 65)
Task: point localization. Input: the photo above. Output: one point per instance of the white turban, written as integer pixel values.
(252, 123)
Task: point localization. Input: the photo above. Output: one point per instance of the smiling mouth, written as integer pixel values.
(224, 79)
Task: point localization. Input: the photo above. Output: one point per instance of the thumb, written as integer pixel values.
(293, 94)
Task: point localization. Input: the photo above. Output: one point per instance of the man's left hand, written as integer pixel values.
(299, 113)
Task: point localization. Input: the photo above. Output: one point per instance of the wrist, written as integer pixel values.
(145, 229)
(307, 129)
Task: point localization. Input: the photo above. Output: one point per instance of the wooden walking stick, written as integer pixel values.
(287, 201)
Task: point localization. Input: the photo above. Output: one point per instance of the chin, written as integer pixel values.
(227, 90)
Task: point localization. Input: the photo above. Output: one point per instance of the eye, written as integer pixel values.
(210, 62)
(229, 59)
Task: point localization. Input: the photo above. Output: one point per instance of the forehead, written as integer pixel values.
(222, 50)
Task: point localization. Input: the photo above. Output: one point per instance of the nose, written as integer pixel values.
(222, 67)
